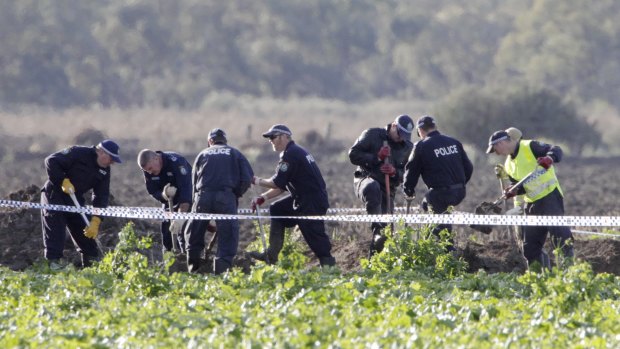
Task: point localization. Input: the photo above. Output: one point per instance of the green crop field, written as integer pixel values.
(412, 295)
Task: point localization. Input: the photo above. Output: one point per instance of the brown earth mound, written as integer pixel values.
(21, 239)
(22, 245)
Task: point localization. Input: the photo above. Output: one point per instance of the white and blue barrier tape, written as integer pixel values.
(336, 215)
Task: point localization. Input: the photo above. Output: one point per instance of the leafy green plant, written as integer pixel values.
(428, 254)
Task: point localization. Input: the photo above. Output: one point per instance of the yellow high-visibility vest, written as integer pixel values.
(541, 183)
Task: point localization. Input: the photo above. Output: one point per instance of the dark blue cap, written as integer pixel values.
(110, 147)
(495, 138)
(277, 130)
(425, 121)
(217, 134)
(405, 126)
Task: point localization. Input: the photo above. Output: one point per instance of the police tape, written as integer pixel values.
(457, 218)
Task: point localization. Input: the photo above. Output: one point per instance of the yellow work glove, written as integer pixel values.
(67, 186)
(500, 171)
(93, 229)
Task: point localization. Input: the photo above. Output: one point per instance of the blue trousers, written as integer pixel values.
(312, 230)
(227, 230)
(55, 225)
(534, 237)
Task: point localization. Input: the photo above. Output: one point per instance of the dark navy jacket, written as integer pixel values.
(221, 167)
(441, 160)
(79, 164)
(298, 173)
(174, 170)
(364, 154)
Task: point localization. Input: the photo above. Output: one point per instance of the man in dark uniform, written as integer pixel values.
(369, 153)
(297, 173)
(168, 178)
(220, 177)
(542, 193)
(75, 170)
(444, 167)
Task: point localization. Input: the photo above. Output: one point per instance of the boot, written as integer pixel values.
(87, 261)
(193, 264)
(327, 261)
(262, 256)
(220, 266)
(376, 245)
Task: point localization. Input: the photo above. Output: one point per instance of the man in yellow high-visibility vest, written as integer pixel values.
(542, 193)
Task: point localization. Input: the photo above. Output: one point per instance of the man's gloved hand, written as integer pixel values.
(509, 192)
(67, 186)
(409, 193)
(257, 201)
(169, 192)
(500, 171)
(384, 152)
(516, 211)
(93, 229)
(211, 228)
(388, 169)
(545, 162)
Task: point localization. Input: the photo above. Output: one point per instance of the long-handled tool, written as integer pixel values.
(77, 204)
(213, 238)
(260, 228)
(387, 181)
(172, 228)
(408, 201)
(494, 208)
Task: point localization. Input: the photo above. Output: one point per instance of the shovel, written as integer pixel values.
(260, 228)
(494, 208)
(77, 204)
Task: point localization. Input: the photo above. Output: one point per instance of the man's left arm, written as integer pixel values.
(467, 164)
(183, 182)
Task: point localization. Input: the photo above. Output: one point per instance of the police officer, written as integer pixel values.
(444, 167)
(75, 170)
(167, 176)
(297, 173)
(542, 193)
(369, 153)
(221, 175)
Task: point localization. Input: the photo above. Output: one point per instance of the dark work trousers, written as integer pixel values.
(534, 237)
(312, 230)
(438, 200)
(373, 195)
(166, 234)
(224, 202)
(56, 223)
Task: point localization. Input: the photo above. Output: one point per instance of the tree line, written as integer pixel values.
(113, 53)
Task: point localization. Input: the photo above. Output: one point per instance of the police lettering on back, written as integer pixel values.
(309, 158)
(443, 151)
(217, 151)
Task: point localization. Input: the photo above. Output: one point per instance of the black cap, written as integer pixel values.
(110, 147)
(497, 137)
(425, 121)
(217, 134)
(276, 130)
(405, 126)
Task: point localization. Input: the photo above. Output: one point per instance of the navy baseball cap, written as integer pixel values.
(276, 130)
(110, 147)
(425, 121)
(405, 126)
(495, 138)
(217, 134)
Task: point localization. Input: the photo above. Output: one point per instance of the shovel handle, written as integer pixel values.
(77, 204)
